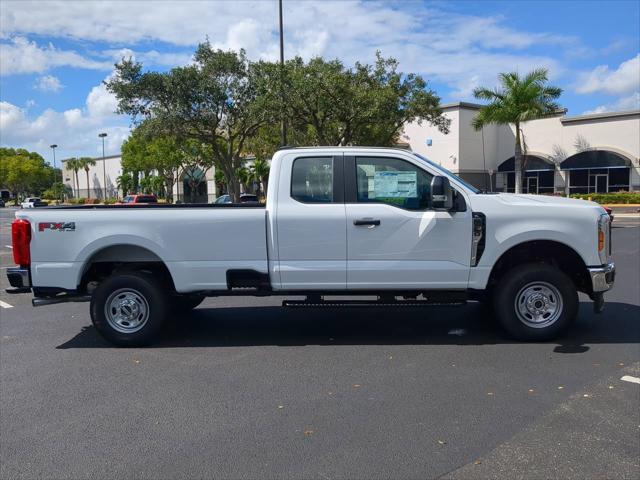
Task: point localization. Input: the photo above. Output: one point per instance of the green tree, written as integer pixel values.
(260, 173)
(24, 172)
(146, 151)
(519, 99)
(243, 174)
(214, 102)
(221, 183)
(329, 104)
(86, 163)
(125, 183)
(58, 190)
(152, 184)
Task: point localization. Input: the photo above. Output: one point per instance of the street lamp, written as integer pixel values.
(104, 168)
(283, 124)
(53, 149)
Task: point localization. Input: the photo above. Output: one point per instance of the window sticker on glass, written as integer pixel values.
(394, 184)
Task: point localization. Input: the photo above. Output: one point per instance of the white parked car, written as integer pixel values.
(33, 202)
(338, 221)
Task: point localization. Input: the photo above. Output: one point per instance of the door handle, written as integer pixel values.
(370, 222)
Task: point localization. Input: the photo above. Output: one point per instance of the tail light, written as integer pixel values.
(21, 238)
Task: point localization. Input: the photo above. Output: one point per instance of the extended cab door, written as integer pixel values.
(311, 223)
(395, 240)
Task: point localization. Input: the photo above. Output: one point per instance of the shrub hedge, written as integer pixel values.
(612, 198)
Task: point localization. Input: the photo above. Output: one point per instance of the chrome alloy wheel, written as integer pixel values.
(538, 304)
(126, 310)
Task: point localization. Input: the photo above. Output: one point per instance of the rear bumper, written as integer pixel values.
(603, 277)
(20, 279)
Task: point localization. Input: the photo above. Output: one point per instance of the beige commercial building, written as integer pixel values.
(565, 154)
(194, 185)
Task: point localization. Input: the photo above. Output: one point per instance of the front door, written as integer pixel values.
(600, 183)
(532, 185)
(394, 239)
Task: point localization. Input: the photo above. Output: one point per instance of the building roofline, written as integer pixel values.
(467, 105)
(478, 106)
(597, 116)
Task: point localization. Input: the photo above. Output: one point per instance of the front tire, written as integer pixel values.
(535, 302)
(129, 309)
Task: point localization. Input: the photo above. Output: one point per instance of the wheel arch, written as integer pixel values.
(121, 257)
(551, 252)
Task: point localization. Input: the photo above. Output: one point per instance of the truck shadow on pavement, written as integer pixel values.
(434, 325)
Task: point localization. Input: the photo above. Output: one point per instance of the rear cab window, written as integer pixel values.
(312, 180)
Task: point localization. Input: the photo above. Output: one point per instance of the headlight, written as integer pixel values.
(603, 237)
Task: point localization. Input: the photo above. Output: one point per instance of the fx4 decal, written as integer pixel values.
(59, 226)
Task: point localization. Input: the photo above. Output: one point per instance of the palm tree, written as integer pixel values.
(518, 100)
(244, 177)
(87, 163)
(260, 172)
(124, 182)
(74, 164)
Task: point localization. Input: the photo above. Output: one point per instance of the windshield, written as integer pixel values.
(447, 173)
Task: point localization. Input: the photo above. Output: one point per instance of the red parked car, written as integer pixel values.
(138, 199)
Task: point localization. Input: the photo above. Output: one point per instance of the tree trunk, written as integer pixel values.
(168, 185)
(518, 161)
(88, 189)
(77, 185)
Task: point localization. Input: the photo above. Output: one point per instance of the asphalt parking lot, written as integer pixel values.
(243, 388)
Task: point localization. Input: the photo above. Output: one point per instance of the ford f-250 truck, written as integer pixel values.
(338, 221)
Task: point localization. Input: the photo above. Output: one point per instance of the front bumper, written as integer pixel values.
(603, 277)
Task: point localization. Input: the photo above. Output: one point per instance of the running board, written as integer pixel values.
(382, 302)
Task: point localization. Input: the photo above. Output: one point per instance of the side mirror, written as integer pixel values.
(441, 193)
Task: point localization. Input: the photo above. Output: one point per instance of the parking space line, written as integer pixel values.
(9, 246)
(629, 378)
(5, 304)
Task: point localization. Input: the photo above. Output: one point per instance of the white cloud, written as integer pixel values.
(417, 35)
(48, 83)
(75, 130)
(630, 102)
(20, 55)
(624, 79)
(101, 103)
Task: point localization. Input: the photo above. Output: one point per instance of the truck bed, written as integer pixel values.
(198, 243)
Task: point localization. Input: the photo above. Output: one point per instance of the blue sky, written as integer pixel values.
(55, 54)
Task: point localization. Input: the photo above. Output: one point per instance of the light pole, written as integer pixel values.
(53, 149)
(104, 167)
(283, 125)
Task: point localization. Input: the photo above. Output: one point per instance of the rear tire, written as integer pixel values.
(129, 309)
(535, 302)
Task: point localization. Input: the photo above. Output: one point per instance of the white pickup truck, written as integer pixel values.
(344, 221)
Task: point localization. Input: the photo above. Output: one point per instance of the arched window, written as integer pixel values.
(597, 171)
(537, 176)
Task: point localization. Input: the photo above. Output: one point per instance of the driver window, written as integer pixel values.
(392, 181)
